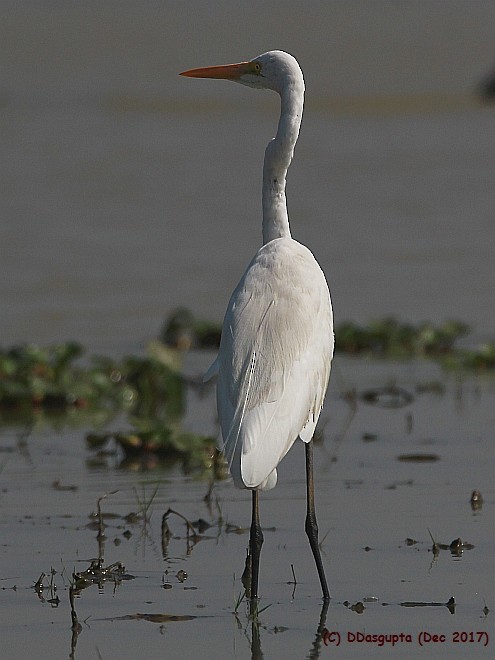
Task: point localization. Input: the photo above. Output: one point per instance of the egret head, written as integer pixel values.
(274, 70)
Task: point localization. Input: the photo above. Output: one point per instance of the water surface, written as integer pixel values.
(376, 513)
(127, 190)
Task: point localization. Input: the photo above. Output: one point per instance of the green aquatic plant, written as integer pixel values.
(61, 386)
(41, 376)
(390, 338)
(58, 384)
(151, 442)
(54, 379)
(480, 359)
(183, 330)
(386, 338)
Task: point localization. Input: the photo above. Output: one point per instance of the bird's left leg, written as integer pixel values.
(255, 543)
(311, 522)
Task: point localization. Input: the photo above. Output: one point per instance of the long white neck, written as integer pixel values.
(278, 156)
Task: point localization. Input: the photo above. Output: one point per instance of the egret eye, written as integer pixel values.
(256, 67)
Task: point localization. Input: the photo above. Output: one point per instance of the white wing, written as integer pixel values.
(274, 360)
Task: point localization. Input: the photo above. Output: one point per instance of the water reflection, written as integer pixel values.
(316, 645)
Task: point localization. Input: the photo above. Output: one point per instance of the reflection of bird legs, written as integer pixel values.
(311, 522)
(250, 575)
(256, 652)
(314, 652)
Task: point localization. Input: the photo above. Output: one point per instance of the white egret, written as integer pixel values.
(277, 339)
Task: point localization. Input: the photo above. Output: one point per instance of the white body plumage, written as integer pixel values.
(274, 360)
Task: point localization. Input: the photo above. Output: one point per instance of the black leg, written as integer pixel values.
(311, 523)
(255, 543)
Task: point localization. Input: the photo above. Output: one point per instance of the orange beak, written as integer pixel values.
(223, 72)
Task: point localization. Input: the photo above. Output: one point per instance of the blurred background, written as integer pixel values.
(126, 190)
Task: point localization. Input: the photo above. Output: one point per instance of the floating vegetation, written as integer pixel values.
(476, 500)
(357, 607)
(480, 360)
(57, 385)
(449, 604)
(98, 574)
(456, 547)
(390, 396)
(390, 338)
(183, 330)
(152, 442)
(43, 585)
(55, 379)
(50, 380)
(418, 458)
(154, 618)
(45, 377)
(384, 338)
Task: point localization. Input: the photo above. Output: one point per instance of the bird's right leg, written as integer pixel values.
(255, 543)
(311, 522)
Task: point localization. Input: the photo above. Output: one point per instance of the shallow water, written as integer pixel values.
(368, 503)
(126, 191)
